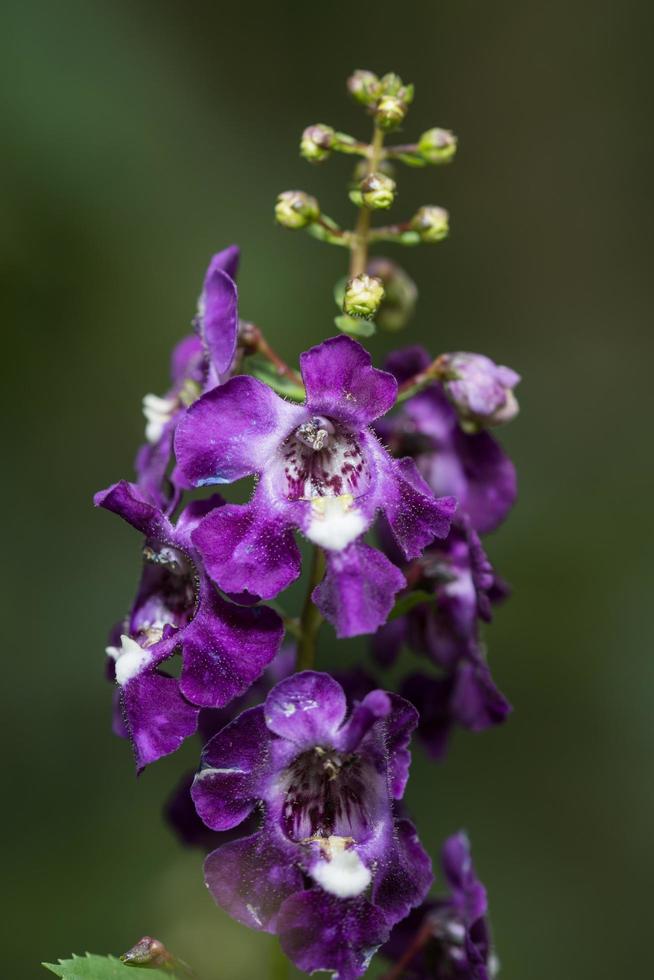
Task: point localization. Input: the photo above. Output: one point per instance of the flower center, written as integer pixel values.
(323, 458)
(167, 594)
(326, 797)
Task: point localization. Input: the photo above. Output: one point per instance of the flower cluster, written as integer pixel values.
(388, 477)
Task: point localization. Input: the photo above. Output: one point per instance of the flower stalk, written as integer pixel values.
(311, 619)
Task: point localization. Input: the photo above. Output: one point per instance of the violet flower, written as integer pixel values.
(224, 646)
(331, 868)
(321, 470)
(480, 390)
(450, 935)
(471, 467)
(199, 362)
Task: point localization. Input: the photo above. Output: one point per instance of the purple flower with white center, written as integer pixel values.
(480, 390)
(224, 646)
(449, 936)
(321, 470)
(471, 467)
(199, 362)
(331, 868)
(463, 583)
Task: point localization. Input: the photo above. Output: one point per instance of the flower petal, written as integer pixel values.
(127, 500)
(226, 648)
(232, 431)
(415, 516)
(158, 717)
(219, 314)
(404, 876)
(320, 932)
(358, 590)
(306, 708)
(228, 783)
(342, 383)
(249, 548)
(250, 878)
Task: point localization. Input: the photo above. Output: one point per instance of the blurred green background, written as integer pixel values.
(138, 138)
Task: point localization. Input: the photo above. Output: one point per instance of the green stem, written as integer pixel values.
(359, 255)
(433, 372)
(311, 619)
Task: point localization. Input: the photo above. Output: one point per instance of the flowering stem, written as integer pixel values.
(359, 256)
(410, 387)
(311, 619)
(257, 344)
(391, 233)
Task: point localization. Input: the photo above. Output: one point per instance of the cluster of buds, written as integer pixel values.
(295, 209)
(387, 98)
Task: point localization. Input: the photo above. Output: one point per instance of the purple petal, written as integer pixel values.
(388, 641)
(431, 696)
(307, 708)
(228, 783)
(151, 465)
(187, 360)
(404, 876)
(232, 431)
(193, 513)
(404, 363)
(468, 892)
(250, 878)
(374, 706)
(476, 703)
(359, 589)
(226, 648)
(127, 500)
(414, 515)
(249, 548)
(158, 717)
(342, 383)
(219, 314)
(320, 932)
(401, 722)
(182, 817)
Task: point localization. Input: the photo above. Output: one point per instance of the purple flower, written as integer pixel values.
(471, 467)
(331, 868)
(480, 390)
(463, 584)
(449, 936)
(224, 647)
(199, 362)
(321, 470)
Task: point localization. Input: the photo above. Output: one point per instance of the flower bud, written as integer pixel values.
(316, 143)
(377, 191)
(363, 294)
(437, 146)
(431, 223)
(392, 84)
(295, 209)
(364, 86)
(480, 390)
(400, 294)
(390, 112)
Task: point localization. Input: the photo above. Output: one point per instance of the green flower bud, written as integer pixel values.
(390, 112)
(377, 191)
(364, 86)
(392, 84)
(295, 209)
(431, 223)
(363, 294)
(437, 146)
(400, 297)
(316, 143)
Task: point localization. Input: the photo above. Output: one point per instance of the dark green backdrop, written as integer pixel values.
(140, 136)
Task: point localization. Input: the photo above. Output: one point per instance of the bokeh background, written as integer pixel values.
(138, 138)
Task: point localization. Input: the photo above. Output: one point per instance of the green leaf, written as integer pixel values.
(265, 371)
(355, 326)
(407, 602)
(339, 292)
(91, 967)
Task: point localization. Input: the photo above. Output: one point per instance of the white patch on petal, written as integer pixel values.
(130, 659)
(211, 771)
(255, 915)
(335, 523)
(158, 413)
(343, 873)
(288, 709)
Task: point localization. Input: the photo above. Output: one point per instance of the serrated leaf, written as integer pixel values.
(408, 601)
(355, 326)
(92, 967)
(265, 371)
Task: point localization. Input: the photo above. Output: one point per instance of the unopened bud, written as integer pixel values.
(390, 112)
(377, 191)
(392, 84)
(316, 143)
(437, 146)
(364, 86)
(363, 294)
(480, 390)
(148, 952)
(295, 209)
(431, 223)
(400, 294)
